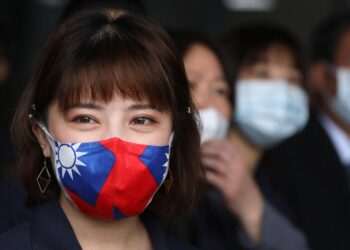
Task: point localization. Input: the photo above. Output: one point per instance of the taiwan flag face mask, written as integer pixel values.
(109, 179)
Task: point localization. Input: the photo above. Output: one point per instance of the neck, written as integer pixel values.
(249, 152)
(127, 233)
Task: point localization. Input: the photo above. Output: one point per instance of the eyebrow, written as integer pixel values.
(86, 105)
(132, 107)
(140, 107)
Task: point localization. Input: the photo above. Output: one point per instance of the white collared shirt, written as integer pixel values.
(340, 140)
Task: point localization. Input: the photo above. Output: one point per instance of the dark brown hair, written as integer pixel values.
(99, 53)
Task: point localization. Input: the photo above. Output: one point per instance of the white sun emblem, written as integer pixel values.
(166, 165)
(67, 158)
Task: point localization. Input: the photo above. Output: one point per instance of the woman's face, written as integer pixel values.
(206, 77)
(277, 64)
(126, 119)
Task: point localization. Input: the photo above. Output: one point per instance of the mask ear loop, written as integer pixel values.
(44, 177)
(32, 118)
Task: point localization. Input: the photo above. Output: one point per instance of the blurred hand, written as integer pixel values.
(226, 170)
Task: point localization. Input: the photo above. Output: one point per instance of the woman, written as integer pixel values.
(107, 101)
(243, 218)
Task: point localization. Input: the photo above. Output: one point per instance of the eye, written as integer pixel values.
(262, 74)
(142, 121)
(83, 119)
(220, 88)
(221, 91)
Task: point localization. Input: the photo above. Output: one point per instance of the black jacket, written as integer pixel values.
(49, 229)
(13, 210)
(307, 171)
(210, 226)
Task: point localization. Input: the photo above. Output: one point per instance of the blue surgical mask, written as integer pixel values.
(269, 111)
(340, 104)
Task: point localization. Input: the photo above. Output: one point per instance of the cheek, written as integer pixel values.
(158, 136)
(196, 94)
(162, 135)
(226, 110)
(62, 132)
(223, 106)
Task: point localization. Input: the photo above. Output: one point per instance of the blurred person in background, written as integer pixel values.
(234, 213)
(314, 166)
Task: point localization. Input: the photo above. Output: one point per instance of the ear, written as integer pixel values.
(321, 80)
(40, 136)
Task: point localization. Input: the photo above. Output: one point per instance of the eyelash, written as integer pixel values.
(79, 118)
(143, 118)
(221, 91)
(85, 119)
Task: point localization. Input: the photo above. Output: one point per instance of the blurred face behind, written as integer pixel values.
(209, 90)
(207, 81)
(330, 82)
(277, 64)
(271, 104)
(337, 92)
(342, 53)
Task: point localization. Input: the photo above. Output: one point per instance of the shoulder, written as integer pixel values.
(46, 228)
(17, 237)
(13, 209)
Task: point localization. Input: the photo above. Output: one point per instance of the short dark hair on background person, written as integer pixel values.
(99, 53)
(325, 37)
(185, 39)
(247, 45)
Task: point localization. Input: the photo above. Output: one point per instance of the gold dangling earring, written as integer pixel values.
(44, 178)
(168, 182)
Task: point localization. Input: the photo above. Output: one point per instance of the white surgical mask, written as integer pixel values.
(340, 104)
(269, 111)
(213, 124)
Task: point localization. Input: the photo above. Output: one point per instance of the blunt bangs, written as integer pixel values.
(108, 65)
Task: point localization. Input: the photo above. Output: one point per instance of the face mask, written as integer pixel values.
(340, 104)
(214, 125)
(109, 179)
(269, 111)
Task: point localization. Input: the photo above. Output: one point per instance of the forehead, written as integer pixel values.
(101, 82)
(279, 55)
(200, 57)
